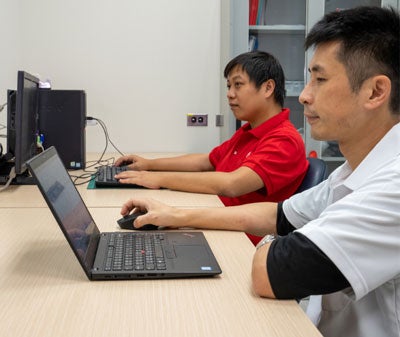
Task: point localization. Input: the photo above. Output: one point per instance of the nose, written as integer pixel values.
(230, 93)
(305, 95)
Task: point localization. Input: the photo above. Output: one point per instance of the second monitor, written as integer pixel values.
(22, 129)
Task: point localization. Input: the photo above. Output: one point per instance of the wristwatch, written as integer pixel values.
(266, 239)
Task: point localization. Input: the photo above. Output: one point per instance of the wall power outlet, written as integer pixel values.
(197, 120)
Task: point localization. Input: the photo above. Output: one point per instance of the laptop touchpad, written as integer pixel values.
(193, 252)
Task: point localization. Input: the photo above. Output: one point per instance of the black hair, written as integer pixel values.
(260, 67)
(369, 40)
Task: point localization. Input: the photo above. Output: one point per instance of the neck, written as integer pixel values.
(265, 115)
(355, 151)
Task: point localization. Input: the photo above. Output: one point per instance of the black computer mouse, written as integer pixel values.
(126, 222)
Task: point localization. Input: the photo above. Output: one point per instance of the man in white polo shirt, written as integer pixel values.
(340, 239)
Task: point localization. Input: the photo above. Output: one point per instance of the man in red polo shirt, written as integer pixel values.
(263, 161)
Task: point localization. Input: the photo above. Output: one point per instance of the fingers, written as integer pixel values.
(131, 204)
(132, 175)
(135, 206)
(127, 177)
(156, 213)
(142, 178)
(124, 175)
(125, 161)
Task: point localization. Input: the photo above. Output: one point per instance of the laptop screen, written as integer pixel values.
(66, 205)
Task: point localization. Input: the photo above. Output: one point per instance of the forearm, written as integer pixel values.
(229, 184)
(259, 275)
(189, 163)
(257, 218)
(196, 182)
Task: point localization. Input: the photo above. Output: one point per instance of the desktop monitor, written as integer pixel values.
(25, 120)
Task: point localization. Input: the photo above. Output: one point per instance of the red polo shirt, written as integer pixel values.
(274, 150)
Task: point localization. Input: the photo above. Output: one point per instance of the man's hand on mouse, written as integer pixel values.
(156, 213)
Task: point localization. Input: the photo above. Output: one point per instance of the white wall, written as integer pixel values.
(143, 64)
(227, 37)
(8, 56)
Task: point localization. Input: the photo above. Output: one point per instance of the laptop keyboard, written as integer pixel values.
(135, 251)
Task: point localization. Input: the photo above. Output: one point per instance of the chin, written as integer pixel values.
(317, 135)
(240, 118)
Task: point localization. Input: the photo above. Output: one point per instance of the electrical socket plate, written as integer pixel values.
(197, 120)
(219, 120)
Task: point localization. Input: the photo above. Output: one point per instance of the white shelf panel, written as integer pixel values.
(279, 29)
(294, 88)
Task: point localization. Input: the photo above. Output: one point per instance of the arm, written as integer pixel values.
(293, 267)
(261, 282)
(191, 162)
(289, 267)
(258, 218)
(231, 184)
(259, 275)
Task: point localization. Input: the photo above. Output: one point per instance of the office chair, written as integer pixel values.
(316, 173)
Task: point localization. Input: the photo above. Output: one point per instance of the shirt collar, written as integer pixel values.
(387, 148)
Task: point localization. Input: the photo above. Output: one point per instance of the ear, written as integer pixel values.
(379, 88)
(268, 87)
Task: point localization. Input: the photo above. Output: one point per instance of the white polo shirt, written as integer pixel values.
(354, 218)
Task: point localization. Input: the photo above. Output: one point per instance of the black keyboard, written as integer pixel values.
(104, 176)
(135, 251)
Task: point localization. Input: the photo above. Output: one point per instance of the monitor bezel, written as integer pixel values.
(26, 121)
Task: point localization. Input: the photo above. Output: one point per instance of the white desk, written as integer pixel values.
(30, 196)
(44, 292)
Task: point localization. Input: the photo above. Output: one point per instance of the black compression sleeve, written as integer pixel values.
(283, 226)
(297, 268)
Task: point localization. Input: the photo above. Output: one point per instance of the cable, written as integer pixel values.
(2, 126)
(89, 174)
(108, 139)
(11, 176)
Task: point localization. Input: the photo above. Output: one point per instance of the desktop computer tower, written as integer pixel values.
(11, 106)
(62, 122)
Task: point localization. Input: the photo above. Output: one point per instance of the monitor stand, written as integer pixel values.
(21, 179)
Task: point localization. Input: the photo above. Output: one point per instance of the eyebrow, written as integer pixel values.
(235, 77)
(316, 69)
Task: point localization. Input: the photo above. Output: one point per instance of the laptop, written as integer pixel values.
(121, 254)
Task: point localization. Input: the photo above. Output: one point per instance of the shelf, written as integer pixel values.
(279, 29)
(294, 88)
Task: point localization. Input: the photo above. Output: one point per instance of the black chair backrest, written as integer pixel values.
(316, 173)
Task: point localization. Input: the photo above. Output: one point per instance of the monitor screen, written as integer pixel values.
(26, 120)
